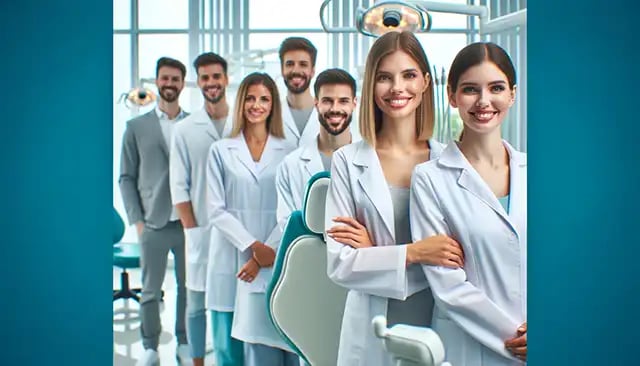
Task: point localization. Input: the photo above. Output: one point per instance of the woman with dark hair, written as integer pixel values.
(476, 192)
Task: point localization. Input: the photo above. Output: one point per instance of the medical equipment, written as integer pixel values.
(410, 345)
(137, 96)
(385, 16)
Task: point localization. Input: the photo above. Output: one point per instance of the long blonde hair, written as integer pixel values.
(370, 114)
(275, 125)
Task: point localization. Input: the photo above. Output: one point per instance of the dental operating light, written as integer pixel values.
(389, 16)
(138, 96)
(415, 16)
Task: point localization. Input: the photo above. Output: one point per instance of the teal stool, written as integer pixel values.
(125, 256)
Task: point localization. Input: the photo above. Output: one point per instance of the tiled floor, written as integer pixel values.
(127, 346)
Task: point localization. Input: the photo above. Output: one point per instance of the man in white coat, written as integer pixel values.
(189, 152)
(297, 65)
(335, 103)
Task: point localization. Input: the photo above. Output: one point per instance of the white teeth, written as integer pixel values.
(398, 102)
(484, 116)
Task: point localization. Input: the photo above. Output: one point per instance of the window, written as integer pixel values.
(163, 14)
(286, 14)
(121, 14)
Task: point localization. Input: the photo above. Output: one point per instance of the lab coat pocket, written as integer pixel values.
(460, 348)
(196, 245)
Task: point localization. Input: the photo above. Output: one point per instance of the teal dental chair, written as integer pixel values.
(410, 345)
(125, 256)
(305, 306)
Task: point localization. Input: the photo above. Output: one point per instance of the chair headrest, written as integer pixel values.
(314, 202)
(118, 227)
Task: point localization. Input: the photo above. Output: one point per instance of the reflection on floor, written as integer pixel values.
(127, 346)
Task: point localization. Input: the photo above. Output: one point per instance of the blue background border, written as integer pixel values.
(56, 98)
(56, 154)
(584, 183)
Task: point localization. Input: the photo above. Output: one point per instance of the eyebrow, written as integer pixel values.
(406, 70)
(490, 83)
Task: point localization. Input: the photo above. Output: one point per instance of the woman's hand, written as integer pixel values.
(518, 345)
(438, 250)
(249, 271)
(352, 233)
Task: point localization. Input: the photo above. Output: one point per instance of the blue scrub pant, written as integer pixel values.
(228, 351)
(196, 323)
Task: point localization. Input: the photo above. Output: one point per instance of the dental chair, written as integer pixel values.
(410, 345)
(125, 256)
(305, 306)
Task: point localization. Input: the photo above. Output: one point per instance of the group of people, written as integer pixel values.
(426, 234)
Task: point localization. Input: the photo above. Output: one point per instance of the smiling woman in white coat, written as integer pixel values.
(476, 192)
(242, 205)
(369, 248)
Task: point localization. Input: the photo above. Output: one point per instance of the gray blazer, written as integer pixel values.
(144, 172)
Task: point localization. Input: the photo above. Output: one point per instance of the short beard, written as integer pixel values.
(328, 128)
(167, 98)
(216, 99)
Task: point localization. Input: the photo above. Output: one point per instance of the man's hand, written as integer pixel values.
(139, 228)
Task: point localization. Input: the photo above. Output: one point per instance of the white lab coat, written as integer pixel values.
(359, 190)
(479, 306)
(191, 140)
(242, 206)
(294, 174)
(291, 132)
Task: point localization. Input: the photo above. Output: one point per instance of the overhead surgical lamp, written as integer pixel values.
(397, 15)
(389, 16)
(138, 97)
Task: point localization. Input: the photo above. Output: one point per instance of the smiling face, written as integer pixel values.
(483, 97)
(212, 82)
(257, 104)
(335, 104)
(170, 83)
(297, 71)
(399, 85)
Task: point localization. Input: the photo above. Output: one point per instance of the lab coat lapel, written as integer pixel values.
(471, 181)
(289, 122)
(311, 128)
(240, 149)
(518, 189)
(201, 117)
(228, 124)
(375, 185)
(270, 152)
(311, 157)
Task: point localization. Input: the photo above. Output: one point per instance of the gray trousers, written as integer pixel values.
(155, 245)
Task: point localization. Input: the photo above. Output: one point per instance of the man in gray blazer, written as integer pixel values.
(144, 184)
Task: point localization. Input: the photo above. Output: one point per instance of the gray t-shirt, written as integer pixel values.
(219, 125)
(301, 116)
(326, 161)
(417, 308)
